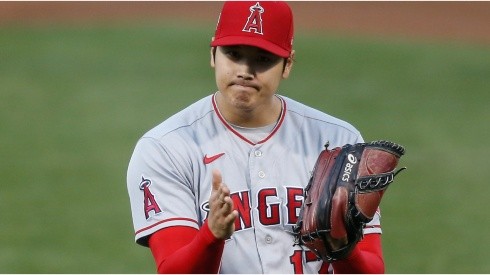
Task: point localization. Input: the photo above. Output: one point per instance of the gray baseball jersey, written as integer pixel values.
(170, 180)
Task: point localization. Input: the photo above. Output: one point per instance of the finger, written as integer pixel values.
(225, 190)
(230, 218)
(223, 195)
(227, 206)
(217, 179)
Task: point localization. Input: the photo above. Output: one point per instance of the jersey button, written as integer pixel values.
(268, 239)
(261, 174)
(258, 153)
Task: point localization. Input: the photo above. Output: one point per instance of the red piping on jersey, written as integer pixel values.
(162, 221)
(227, 125)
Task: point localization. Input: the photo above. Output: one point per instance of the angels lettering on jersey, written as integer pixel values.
(269, 213)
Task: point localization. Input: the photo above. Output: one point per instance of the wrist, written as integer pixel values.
(356, 253)
(207, 235)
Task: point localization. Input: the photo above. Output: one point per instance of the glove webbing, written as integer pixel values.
(377, 182)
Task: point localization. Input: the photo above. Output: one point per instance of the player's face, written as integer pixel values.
(248, 77)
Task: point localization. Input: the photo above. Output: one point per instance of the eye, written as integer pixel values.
(264, 59)
(232, 54)
(267, 59)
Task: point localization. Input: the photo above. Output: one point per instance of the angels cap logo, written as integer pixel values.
(254, 20)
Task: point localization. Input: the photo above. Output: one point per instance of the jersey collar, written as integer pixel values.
(229, 127)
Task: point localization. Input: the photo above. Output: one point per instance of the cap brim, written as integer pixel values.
(251, 41)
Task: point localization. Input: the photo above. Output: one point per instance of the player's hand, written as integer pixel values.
(221, 219)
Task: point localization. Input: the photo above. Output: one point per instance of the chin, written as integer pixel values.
(241, 99)
(242, 105)
(241, 95)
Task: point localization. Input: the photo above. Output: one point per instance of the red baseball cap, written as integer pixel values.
(267, 25)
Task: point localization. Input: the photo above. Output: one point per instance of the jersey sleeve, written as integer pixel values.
(374, 226)
(359, 139)
(160, 192)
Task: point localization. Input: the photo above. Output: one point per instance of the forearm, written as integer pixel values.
(184, 250)
(367, 257)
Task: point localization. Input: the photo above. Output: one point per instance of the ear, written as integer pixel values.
(289, 65)
(213, 52)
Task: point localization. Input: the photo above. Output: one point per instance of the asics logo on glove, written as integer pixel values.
(348, 167)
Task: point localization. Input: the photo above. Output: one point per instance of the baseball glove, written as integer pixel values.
(343, 194)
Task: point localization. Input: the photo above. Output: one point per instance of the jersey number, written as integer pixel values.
(297, 261)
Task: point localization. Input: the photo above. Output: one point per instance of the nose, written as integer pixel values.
(246, 70)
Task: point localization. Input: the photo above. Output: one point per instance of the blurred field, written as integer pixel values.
(74, 100)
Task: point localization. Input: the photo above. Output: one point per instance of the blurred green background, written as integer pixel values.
(75, 99)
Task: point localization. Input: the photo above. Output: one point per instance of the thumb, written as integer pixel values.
(217, 179)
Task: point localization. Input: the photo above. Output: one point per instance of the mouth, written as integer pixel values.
(244, 85)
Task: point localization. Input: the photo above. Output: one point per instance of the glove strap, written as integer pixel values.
(378, 182)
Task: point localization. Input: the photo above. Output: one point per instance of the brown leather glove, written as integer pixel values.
(343, 195)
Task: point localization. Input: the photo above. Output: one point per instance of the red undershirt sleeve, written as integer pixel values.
(182, 249)
(367, 257)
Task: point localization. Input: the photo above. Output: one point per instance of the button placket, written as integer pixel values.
(268, 239)
(261, 174)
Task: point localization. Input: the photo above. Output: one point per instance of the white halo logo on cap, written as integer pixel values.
(254, 20)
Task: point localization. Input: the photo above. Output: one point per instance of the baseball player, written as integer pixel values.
(217, 187)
